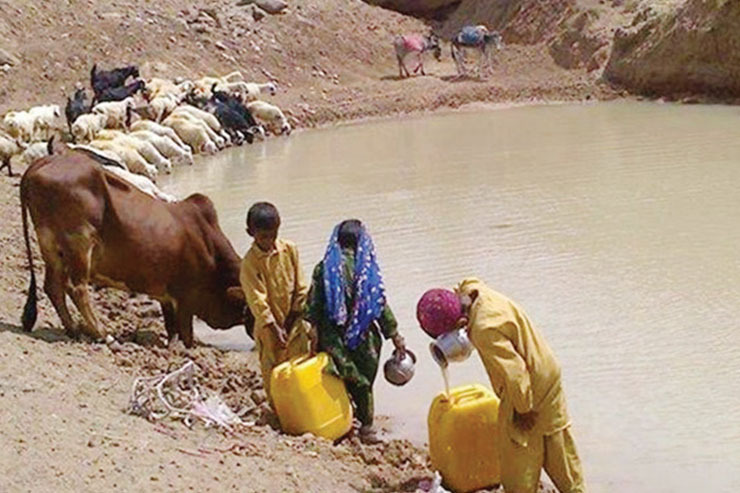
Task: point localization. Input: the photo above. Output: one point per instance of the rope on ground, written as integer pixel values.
(178, 396)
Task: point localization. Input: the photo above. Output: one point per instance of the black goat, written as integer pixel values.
(232, 121)
(75, 107)
(102, 80)
(235, 104)
(121, 93)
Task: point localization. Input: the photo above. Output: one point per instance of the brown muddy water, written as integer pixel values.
(616, 226)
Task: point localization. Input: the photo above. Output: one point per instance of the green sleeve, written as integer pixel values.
(388, 323)
(314, 310)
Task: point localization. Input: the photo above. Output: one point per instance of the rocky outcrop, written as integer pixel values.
(694, 49)
(581, 41)
(519, 21)
(430, 9)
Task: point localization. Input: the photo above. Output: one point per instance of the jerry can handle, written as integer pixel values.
(300, 360)
(397, 354)
(469, 395)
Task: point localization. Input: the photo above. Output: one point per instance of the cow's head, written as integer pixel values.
(235, 295)
(222, 300)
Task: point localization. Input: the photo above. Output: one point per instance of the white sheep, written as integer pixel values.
(161, 106)
(233, 76)
(203, 85)
(86, 127)
(44, 119)
(147, 150)
(213, 136)
(163, 87)
(162, 130)
(9, 147)
(141, 183)
(157, 87)
(115, 112)
(270, 114)
(20, 125)
(207, 117)
(166, 146)
(238, 89)
(254, 89)
(193, 134)
(128, 155)
(34, 152)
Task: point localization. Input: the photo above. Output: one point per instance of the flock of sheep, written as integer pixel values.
(145, 127)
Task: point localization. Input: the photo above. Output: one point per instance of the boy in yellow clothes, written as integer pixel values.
(533, 419)
(276, 291)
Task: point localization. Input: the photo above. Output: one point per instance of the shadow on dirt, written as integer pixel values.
(462, 78)
(46, 334)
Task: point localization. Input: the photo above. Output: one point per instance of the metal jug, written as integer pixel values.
(399, 368)
(451, 347)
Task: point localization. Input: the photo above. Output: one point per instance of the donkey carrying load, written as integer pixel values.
(477, 38)
(415, 43)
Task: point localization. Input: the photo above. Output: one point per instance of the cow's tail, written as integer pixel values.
(30, 311)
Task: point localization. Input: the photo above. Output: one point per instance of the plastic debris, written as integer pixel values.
(177, 395)
(433, 485)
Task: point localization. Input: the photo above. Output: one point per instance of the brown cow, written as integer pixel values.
(95, 228)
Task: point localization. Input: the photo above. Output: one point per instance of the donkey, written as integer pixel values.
(415, 43)
(478, 38)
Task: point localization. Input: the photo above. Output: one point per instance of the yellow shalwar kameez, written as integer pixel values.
(274, 286)
(526, 376)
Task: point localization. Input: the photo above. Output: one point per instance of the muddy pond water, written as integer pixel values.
(616, 226)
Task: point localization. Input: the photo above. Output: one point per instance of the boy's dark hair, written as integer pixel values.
(349, 233)
(263, 216)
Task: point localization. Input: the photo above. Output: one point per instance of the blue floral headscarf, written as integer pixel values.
(367, 286)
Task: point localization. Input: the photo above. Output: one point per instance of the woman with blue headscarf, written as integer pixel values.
(347, 306)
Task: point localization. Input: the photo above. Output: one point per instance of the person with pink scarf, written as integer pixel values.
(534, 426)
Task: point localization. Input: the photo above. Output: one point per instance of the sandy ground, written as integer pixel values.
(63, 425)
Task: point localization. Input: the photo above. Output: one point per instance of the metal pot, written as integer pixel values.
(451, 347)
(399, 368)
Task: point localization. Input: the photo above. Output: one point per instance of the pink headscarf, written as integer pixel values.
(438, 311)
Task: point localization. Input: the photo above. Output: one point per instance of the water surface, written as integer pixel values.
(616, 226)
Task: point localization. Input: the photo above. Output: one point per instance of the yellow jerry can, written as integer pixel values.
(307, 399)
(463, 438)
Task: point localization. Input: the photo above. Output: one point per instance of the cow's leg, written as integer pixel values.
(170, 323)
(81, 296)
(184, 323)
(80, 261)
(54, 282)
(55, 278)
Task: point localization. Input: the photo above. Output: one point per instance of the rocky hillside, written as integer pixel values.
(315, 44)
(691, 49)
(651, 47)
(577, 32)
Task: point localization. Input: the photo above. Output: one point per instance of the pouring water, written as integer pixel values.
(449, 347)
(446, 378)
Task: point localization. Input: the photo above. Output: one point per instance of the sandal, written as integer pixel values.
(369, 436)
